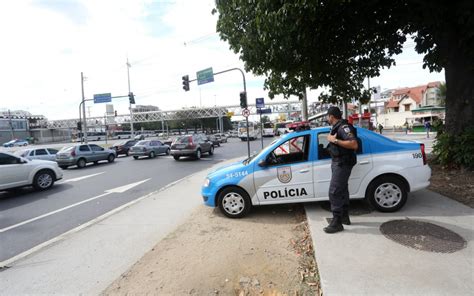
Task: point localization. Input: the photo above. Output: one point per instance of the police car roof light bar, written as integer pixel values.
(299, 126)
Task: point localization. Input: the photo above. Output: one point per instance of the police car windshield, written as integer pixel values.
(248, 160)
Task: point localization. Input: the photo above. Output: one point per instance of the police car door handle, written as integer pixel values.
(304, 171)
(364, 162)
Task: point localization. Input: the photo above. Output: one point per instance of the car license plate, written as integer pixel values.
(181, 146)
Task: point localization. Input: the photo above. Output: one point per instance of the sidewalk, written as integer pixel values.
(362, 261)
(86, 261)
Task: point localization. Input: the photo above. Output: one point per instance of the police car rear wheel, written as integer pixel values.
(234, 202)
(387, 194)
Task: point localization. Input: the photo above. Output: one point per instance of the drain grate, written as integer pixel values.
(423, 236)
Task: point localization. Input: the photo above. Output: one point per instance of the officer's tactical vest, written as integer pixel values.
(340, 154)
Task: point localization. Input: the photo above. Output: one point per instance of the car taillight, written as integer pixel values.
(190, 143)
(73, 153)
(423, 153)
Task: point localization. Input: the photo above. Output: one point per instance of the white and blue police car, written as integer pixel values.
(297, 168)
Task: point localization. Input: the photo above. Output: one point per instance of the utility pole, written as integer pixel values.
(370, 94)
(130, 104)
(304, 103)
(106, 128)
(11, 124)
(84, 126)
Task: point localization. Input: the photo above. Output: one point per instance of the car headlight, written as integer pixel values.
(207, 182)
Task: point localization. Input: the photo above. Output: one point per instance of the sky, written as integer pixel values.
(46, 44)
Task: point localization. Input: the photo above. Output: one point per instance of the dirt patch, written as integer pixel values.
(454, 183)
(269, 252)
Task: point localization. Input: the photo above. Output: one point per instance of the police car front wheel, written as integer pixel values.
(234, 202)
(387, 194)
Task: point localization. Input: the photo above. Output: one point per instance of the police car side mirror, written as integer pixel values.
(262, 163)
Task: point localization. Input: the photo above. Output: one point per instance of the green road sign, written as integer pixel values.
(205, 76)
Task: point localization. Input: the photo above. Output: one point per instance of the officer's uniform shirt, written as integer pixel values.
(344, 132)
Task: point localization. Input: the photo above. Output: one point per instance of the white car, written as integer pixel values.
(17, 171)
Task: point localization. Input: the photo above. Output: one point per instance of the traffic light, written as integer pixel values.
(186, 82)
(131, 98)
(115, 113)
(243, 99)
(79, 126)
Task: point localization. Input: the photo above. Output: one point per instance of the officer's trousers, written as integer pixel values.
(339, 188)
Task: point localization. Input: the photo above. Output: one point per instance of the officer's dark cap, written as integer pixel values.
(334, 111)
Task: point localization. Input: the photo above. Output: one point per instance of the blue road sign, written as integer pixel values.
(260, 103)
(102, 98)
(264, 111)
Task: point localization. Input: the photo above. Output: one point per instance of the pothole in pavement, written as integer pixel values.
(423, 236)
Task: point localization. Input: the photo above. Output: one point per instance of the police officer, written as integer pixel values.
(342, 147)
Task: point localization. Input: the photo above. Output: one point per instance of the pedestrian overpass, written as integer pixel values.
(179, 114)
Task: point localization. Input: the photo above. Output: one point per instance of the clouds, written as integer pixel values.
(46, 44)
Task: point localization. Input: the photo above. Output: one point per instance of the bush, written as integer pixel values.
(455, 151)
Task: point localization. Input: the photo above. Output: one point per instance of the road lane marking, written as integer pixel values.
(124, 188)
(62, 236)
(79, 178)
(120, 189)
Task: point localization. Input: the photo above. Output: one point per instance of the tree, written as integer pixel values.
(337, 44)
(442, 93)
(265, 119)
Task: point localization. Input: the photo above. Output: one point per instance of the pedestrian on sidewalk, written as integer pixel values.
(380, 128)
(342, 148)
(427, 128)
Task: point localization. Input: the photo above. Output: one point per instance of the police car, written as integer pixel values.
(297, 168)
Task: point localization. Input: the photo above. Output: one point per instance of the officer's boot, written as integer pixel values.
(335, 225)
(345, 218)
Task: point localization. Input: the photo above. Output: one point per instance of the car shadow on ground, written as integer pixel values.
(192, 158)
(25, 195)
(90, 165)
(147, 157)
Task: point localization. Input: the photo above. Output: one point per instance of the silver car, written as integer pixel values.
(80, 155)
(38, 153)
(150, 148)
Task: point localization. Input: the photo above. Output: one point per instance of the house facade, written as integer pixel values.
(399, 108)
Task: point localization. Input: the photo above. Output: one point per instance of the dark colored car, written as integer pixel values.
(168, 141)
(123, 147)
(191, 145)
(215, 141)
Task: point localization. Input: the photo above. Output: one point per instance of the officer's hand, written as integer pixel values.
(331, 138)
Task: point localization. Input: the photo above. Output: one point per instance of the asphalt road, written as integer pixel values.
(29, 218)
